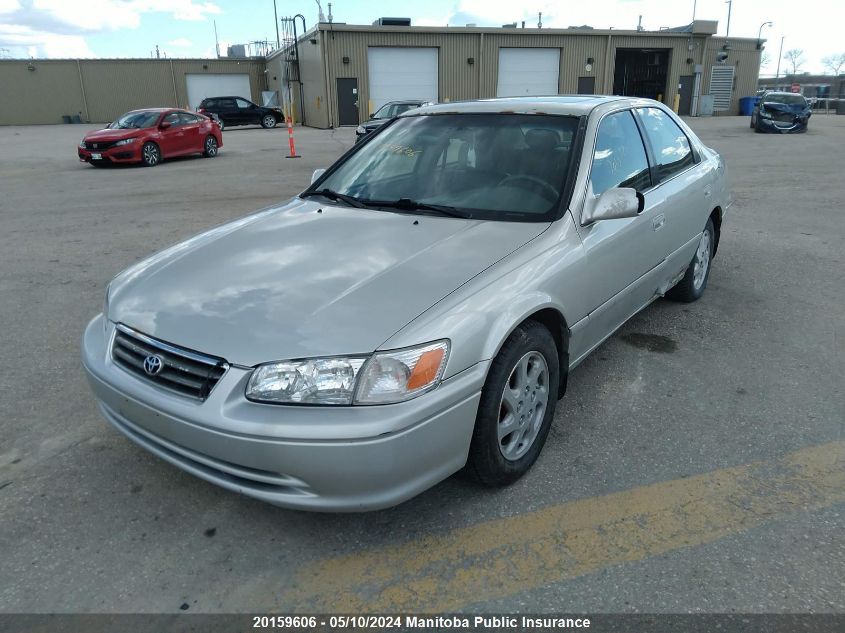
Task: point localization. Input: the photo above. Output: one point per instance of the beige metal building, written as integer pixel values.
(345, 72)
(99, 90)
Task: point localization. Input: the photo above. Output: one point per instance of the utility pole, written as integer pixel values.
(780, 53)
(730, 6)
(276, 16)
(216, 41)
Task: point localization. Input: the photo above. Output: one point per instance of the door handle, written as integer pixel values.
(658, 221)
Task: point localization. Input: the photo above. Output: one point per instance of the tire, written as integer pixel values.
(150, 154)
(752, 122)
(694, 281)
(498, 457)
(210, 147)
(268, 121)
(222, 124)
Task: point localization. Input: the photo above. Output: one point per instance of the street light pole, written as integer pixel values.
(730, 6)
(780, 52)
(760, 33)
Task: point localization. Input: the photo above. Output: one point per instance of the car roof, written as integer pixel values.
(781, 92)
(573, 105)
(227, 97)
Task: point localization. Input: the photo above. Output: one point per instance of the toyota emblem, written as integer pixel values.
(153, 365)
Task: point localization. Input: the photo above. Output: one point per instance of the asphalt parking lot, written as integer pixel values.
(695, 465)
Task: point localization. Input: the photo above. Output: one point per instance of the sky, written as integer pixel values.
(185, 28)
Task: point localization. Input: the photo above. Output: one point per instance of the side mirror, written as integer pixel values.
(164, 125)
(316, 175)
(373, 115)
(619, 202)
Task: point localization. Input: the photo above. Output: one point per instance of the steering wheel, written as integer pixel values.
(545, 187)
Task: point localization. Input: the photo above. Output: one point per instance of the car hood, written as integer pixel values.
(785, 107)
(306, 280)
(112, 135)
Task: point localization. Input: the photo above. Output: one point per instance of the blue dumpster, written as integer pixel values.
(746, 105)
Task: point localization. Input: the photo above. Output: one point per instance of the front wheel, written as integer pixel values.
(150, 154)
(692, 286)
(516, 407)
(268, 121)
(210, 147)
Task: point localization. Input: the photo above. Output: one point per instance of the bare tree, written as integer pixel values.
(765, 60)
(795, 57)
(834, 63)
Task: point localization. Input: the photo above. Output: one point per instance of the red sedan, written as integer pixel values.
(148, 136)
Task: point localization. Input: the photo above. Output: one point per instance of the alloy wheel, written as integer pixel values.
(210, 146)
(523, 405)
(702, 260)
(151, 154)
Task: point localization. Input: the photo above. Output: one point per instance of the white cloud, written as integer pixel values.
(57, 28)
(23, 41)
(8, 6)
(96, 15)
(180, 42)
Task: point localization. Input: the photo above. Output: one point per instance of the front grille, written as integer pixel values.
(99, 145)
(183, 371)
(783, 117)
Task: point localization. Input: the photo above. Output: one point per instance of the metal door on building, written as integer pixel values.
(685, 84)
(586, 85)
(347, 101)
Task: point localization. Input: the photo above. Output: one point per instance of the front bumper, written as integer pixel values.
(781, 127)
(310, 458)
(120, 154)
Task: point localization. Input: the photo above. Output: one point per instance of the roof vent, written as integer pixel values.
(512, 25)
(392, 22)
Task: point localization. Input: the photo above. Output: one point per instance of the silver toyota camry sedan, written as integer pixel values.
(417, 309)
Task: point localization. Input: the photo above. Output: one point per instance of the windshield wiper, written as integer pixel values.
(335, 196)
(406, 204)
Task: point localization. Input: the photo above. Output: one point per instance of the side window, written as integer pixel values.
(187, 118)
(243, 104)
(227, 104)
(672, 151)
(172, 118)
(620, 159)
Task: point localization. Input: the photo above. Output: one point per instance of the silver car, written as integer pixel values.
(417, 309)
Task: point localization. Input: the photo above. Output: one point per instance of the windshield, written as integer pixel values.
(496, 166)
(142, 119)
(788, 99)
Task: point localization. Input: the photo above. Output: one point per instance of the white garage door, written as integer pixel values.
(397, 74)
(528, 71)
(202, 86)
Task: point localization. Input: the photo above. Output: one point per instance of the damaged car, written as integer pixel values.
(781, 112)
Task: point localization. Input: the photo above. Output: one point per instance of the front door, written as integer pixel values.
(685, 89)
(347, 101)
(586, 85)
(624, 255)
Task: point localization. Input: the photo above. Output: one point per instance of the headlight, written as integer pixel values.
(765, 115)
(126, 141)
(383, 378)
(361, 129)
(82, 143)
(314, 381)
(402, 374)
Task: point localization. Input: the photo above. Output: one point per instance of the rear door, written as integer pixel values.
(172, 139)
(228, 111)
(192, 129)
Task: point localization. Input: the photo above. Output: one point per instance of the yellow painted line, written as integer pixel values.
(497, 558)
